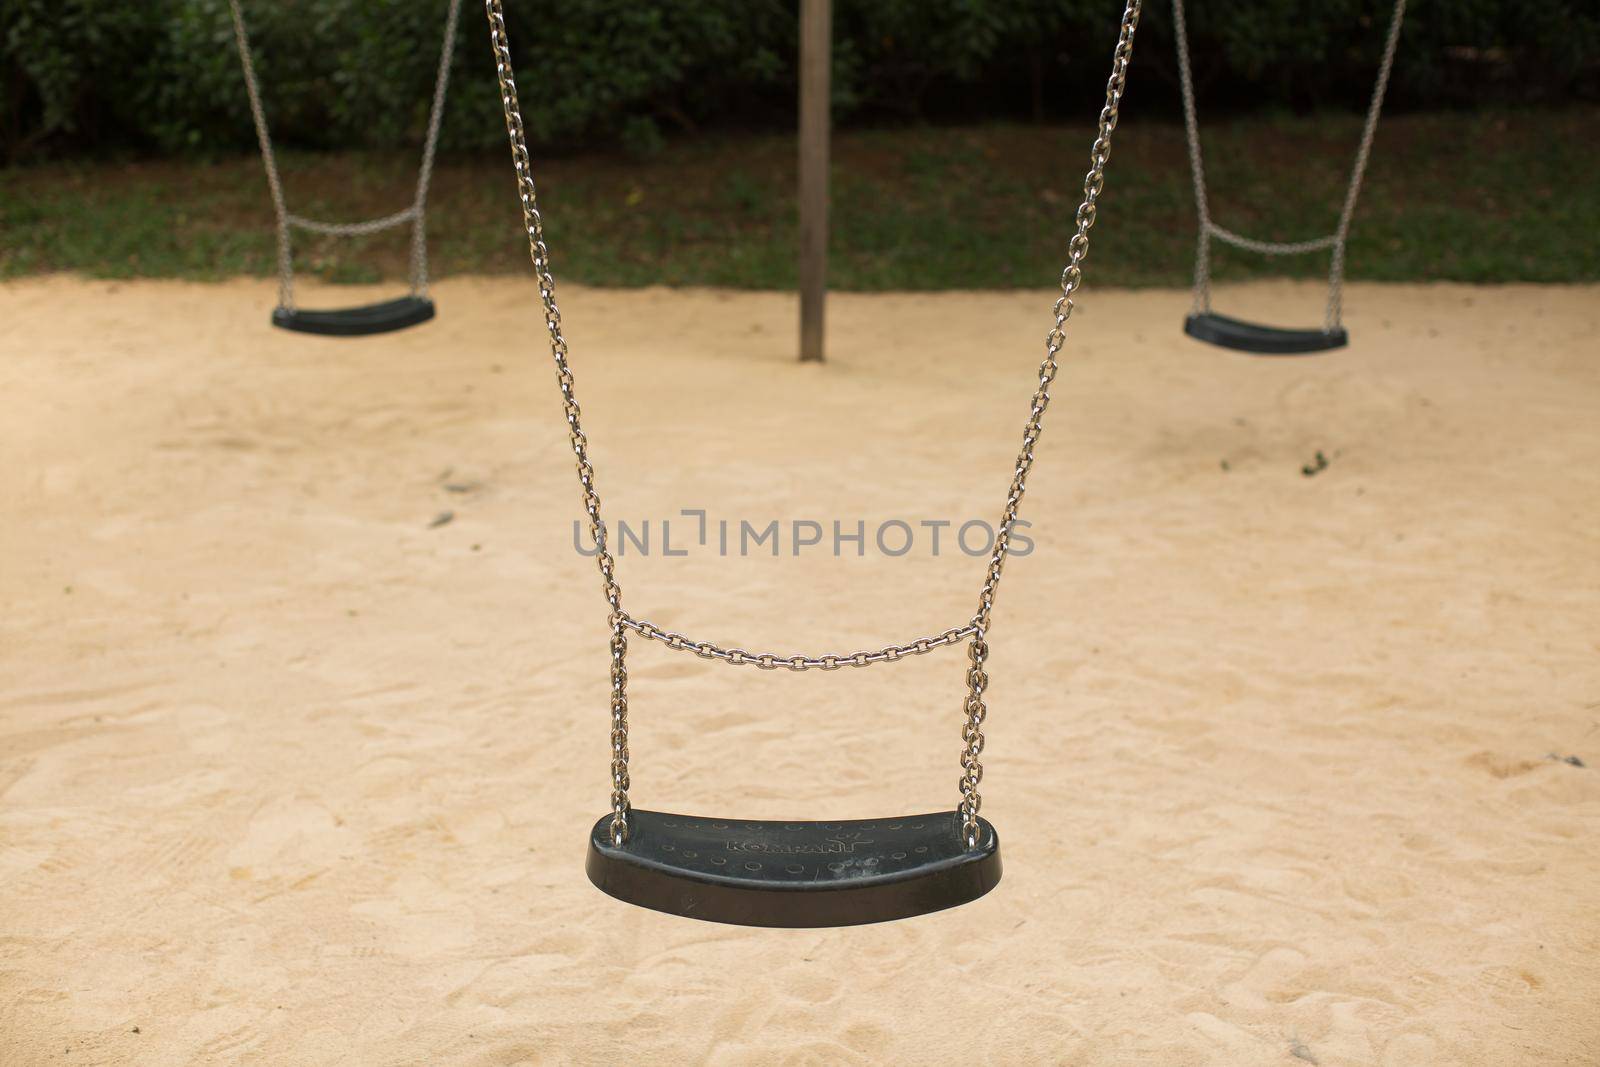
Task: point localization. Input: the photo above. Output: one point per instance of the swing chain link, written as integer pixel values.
(1209, 230)
(416, 214)
(354, 229)
(773, 661)
(1071, 279)
(978, 651)
(972, 740)
(533, 225)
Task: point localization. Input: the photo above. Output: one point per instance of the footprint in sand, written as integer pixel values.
(1498, 765)
(1269, 981)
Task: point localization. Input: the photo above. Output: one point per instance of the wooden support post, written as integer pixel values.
(816, 56)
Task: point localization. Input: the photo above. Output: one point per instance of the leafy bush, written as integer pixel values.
(163, 75)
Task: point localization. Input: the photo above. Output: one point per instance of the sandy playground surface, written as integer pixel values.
(289, 774)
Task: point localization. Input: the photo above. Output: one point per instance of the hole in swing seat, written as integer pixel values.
(794, 874)
(356, 321)
(1262, 340)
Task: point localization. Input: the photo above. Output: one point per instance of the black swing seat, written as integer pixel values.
(794, 874)
(1262, 340)
(357, 321)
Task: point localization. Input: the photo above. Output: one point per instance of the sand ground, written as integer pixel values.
(289, 775)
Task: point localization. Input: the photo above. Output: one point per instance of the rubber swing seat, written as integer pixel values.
(361, 321)
(1262, 340)
(794, 874)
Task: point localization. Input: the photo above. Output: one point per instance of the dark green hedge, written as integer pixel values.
(162, 75)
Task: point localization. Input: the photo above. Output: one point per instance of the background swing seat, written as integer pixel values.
(794, 874)
(372, 318)
(1262, 340)
(356, 321)
(1248, 336)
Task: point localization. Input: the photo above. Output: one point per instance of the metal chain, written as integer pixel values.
(773, 661)
(972, 741)
(1359, 169)
(416, 214)
(533, 226)
(1209, 229)
(1270, 248)
(354, 229)
(269, 159)
(1071, 280)
(430, 145)
(621, 622)
(1197, 170)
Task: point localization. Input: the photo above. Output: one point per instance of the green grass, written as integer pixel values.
(1478, 198)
